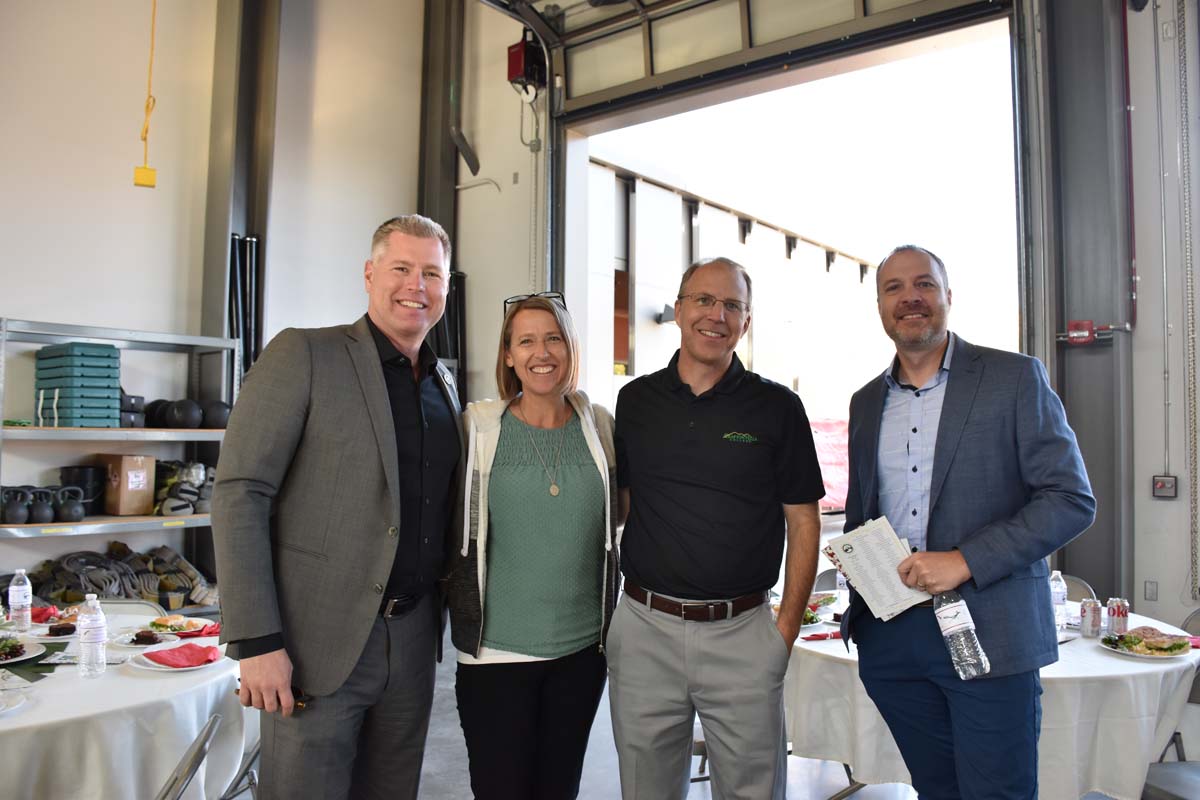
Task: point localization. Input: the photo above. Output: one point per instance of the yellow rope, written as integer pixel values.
(150, 101)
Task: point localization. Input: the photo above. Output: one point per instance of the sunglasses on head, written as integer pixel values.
(557, 297)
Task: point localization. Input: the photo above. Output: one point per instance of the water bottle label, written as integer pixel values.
(93, 634)
(954, 618)
(20, 595)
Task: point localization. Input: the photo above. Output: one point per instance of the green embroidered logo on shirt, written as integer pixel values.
(741, 438)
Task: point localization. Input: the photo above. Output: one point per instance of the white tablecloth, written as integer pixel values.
(1105, 717)
(120, 735)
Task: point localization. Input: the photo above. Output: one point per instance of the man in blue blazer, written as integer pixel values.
(967, 452)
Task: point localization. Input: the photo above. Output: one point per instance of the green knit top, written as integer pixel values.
(545, 554)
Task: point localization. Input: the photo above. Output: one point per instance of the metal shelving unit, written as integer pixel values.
(35, 434)
(210, 377)
(103, 524)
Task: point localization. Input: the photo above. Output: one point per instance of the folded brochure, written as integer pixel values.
(869, 556)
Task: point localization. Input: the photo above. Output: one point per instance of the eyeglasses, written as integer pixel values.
(707, 301)
(520, 298)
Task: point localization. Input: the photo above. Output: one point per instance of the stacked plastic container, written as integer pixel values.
(78, 385)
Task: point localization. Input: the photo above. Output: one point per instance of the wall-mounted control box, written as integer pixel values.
(1163, 486)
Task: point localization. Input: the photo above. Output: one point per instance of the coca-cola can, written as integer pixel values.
(1090, 617)
(1118, 615)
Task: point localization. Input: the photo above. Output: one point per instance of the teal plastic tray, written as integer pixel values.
(78, 349)
(65, 404)
(77, 392)
(78, 383)
(80, 372)
(84, 422)
(78, 361)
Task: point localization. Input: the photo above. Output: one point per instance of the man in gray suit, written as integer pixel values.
(329, 521)
(967, 452)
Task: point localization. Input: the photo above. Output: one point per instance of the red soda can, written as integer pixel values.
(1118, 615)
(1090, 618)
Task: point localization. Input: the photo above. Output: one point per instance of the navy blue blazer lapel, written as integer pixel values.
(365, 357)
(868, 447)
(966, 370)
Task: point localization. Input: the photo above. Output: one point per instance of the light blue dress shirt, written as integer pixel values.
(907, 439)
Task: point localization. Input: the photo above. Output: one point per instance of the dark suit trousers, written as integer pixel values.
(959, 739)
(367, 739)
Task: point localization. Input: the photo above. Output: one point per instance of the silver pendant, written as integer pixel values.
(554, 490)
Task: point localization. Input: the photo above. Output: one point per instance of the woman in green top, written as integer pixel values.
(532, 581)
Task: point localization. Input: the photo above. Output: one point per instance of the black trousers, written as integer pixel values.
(527, 724)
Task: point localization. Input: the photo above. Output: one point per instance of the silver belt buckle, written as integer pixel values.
(387, 610)
(683, 607)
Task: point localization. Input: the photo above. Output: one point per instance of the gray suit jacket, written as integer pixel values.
(1008, 489)
(307, 500)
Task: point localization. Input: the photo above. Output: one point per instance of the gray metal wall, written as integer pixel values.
(1088, 100)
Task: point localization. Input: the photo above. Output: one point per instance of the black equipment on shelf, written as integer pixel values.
(246, 297)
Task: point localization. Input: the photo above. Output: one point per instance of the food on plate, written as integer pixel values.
(10, 648)
(69, 614)
(1148, 641)
(146, 637)
(174, 623)
(810, 617)
(61, 629)
(819, 599)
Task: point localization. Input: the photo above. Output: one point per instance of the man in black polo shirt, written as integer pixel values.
(714, 464)
(329, 520)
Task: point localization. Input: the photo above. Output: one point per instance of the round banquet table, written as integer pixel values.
(1105, 716)
(120, 735)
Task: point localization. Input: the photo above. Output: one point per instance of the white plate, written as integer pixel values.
(1121, 652)
(32, 650)
(141, 662)
(11, 699)
(815, 624)
(126, 639)
(44, 636)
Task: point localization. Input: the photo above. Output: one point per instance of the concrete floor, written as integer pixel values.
(445, 777)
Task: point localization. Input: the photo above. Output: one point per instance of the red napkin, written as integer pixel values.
(212, 629)
(820, 637)
(1195, 641)
(42, 614)
(186, 655)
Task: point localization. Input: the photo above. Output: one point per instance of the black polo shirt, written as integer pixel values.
(427, 451)
(708, 477)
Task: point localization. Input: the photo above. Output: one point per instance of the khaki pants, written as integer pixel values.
(663, 671)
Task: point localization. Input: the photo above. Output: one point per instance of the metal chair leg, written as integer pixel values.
(849, 790)
(1177, 741)
(246, 778)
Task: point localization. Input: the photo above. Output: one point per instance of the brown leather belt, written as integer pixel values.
(696, 612)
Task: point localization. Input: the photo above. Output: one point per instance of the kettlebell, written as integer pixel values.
(16, 505)
(40, 510)
(68, 505)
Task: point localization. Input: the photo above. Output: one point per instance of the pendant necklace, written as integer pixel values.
(552, 476)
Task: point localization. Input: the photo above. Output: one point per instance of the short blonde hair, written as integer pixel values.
(411, 225)
(507, 381)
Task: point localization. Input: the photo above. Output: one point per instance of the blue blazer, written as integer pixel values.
(1008, 488)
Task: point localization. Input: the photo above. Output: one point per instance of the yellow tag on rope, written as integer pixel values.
(146, 175)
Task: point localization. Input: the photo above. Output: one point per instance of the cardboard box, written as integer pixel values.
(130, 487)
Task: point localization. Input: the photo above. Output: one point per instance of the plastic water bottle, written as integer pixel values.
(1058, 596)
(20, 600)
(93, 638)
(954, 618)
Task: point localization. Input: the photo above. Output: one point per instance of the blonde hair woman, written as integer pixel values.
(533, 580)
